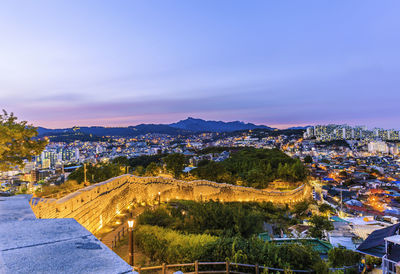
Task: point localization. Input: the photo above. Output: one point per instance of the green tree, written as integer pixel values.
(96, 173)
(300, 209)
(320, 224)
(139, 170)
(339, 257)
(152, 169)
(175, 163)
(343, 173)
(121, 160)
(308, 159)
(325, 208)
(145, 160)
(252, 167)
(17, 141)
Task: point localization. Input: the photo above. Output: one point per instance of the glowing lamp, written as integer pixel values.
(130, 223)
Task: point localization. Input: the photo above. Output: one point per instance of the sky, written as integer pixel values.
(279, 63)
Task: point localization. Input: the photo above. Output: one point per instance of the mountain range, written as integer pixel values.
(187, 126)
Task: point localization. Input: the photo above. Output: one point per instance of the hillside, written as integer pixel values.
(183, 127)
(200, 125)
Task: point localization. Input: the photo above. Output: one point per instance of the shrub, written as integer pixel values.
(339, 257)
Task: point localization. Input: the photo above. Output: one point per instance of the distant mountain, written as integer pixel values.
(184, 127)
(299, 127)
(114, 131)
(200, 125)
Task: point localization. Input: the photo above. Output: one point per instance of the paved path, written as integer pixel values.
(109, 238)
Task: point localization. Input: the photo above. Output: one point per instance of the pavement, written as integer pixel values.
(110, 237)
(30, 245)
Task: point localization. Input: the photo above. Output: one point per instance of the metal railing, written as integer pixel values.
(388, 266)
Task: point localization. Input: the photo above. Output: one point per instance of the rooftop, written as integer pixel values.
(393, 239)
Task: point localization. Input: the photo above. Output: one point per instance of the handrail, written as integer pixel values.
(227, 270)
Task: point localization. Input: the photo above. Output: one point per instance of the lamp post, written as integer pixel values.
(159, 198)
(131, 242)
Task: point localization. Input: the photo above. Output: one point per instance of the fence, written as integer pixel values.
(257, 269)
(118, 237)
(389, 266)
(228, 268)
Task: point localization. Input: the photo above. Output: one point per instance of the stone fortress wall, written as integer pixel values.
(96, 205)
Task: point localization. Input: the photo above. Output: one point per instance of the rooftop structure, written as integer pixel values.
(384, 243)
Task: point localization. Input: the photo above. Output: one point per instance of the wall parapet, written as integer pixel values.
(97, 204)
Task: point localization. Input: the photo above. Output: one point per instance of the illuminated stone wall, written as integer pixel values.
(96, 205)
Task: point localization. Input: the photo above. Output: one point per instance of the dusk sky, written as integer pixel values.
(279, 63)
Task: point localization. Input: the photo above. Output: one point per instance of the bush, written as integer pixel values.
(166, 245)
(67, 187)
(158, 217)
(214, 218)
(339, 257)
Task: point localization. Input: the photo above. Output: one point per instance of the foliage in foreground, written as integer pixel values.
(339, 257)
(166, 245)
(17, 142)
(169, 246)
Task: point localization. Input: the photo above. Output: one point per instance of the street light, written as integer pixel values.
(131, 242)
(159, 198)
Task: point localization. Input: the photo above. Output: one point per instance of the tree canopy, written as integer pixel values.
(215, 218)
(175, 163)
(17, 142)
(320, 224)
(96, 173)
(253, 167)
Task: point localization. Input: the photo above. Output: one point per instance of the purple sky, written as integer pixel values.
(279, 63)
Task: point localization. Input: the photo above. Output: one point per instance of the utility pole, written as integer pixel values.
(341, 200)
(84, 172)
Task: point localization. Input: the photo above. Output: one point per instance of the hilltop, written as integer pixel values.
(187, 126)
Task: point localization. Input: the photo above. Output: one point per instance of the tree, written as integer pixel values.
(320, 223)
(175, 163)
(300, 209)
(339, 257)
(343, 174)
(96, 173)
(252, 167)
(308, 159)
(325, 208)
(17, 142)
(152, 169)
(121, 160)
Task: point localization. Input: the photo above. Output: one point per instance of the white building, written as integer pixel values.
(378, 147)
